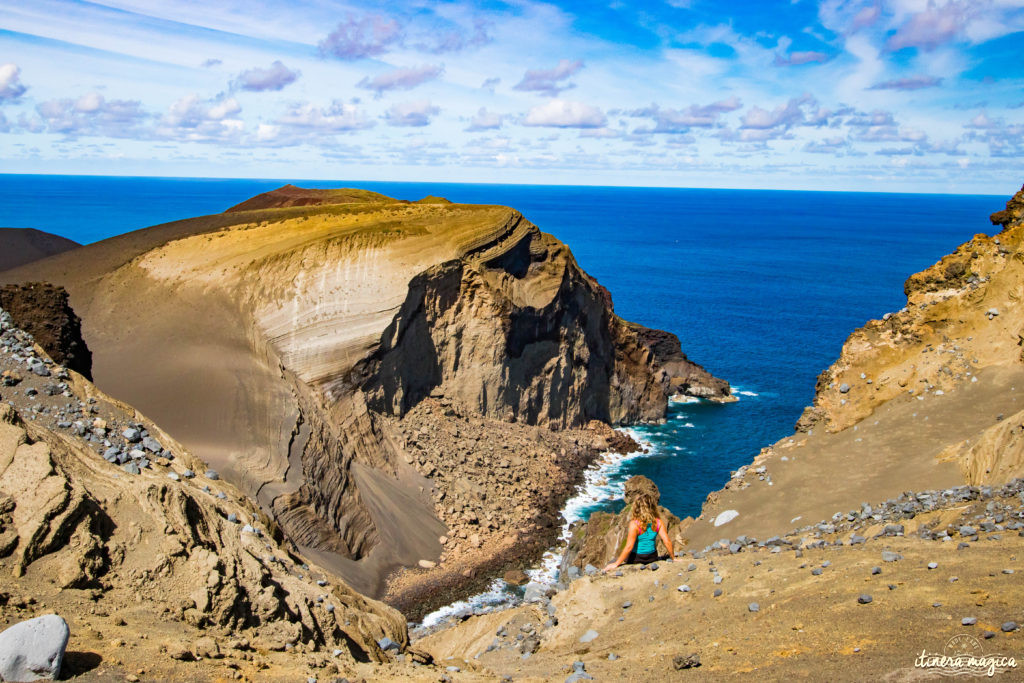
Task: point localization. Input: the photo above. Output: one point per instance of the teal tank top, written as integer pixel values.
(645, 542)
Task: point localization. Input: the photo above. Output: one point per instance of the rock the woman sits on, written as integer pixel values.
(645, 528)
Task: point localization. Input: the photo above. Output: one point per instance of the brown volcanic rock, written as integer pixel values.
(946, 331)
(19, 246)
(923, 398)
(287, 345)
(1013, 212)
(290, 195)
(687, 378)
(42, 310)
(498, 487)
(639, 485)
(527, 336)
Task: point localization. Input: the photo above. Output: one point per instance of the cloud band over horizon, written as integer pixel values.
(913, 95)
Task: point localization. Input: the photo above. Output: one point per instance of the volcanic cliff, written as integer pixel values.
(292, 341)
(924, 397)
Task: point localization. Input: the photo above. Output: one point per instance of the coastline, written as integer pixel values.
(461, 574)
(600, 481)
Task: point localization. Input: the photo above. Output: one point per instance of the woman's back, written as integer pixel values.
(645, 527)
(646, 541)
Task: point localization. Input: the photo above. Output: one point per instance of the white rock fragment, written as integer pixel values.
(726, 517)
(33, 650)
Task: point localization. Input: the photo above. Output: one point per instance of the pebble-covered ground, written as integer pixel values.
(40, 389)
(858, 596)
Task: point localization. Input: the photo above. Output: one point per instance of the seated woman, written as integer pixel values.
(645, 527)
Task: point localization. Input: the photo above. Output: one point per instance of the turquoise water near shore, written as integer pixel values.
(762, 287)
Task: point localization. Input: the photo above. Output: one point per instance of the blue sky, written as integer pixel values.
(876, 95)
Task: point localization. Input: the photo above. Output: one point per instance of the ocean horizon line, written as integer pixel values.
(496, 184)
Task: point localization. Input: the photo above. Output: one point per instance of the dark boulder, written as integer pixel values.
(42, 310)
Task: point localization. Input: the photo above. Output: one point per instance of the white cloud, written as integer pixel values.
(90, 114)
(191, 111)
(668, 120)
(909, 83)
(550, 81)
(11, 87)
(485, 120)
(339, 117)
(565, 114)
(275, 77)
(414, 114)
(401, 79)
(194, 119)
(785, 115)
(359, 37)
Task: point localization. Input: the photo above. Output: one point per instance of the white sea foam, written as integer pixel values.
(601, 482)
(743, 391)
(496, 594)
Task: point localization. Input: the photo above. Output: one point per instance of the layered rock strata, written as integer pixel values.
(287, 340)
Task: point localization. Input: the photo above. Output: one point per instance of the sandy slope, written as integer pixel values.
(807, 626)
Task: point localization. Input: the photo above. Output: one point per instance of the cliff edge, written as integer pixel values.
(152, 558)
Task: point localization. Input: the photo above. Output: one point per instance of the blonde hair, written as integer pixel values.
(645, 510)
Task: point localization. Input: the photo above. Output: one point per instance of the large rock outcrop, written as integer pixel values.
(280, 339)
(95, 497)
(599, 540)
(962, 316)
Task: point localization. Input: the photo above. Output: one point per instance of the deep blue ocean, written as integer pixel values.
(762, 287)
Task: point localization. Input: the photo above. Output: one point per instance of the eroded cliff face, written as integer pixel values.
(281, 340)
(526, 336)
(160, 534)
(962, 315)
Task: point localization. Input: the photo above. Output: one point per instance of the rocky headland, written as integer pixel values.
(922, 398)
(888, 528)
(388, 381)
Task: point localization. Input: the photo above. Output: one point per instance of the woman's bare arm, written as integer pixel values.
(663, 535)
(630, 542)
